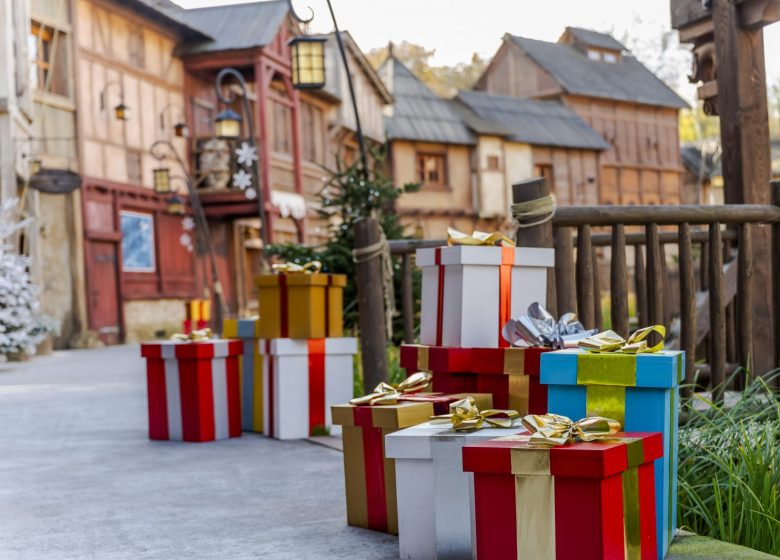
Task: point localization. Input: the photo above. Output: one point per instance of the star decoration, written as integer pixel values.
(187, 223)
(246, 154)
(242, 180)
(250, 193)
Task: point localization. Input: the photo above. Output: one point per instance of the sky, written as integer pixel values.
(458, 28)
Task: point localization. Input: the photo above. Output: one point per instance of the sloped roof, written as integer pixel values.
(171, 14)
(236, 26)
(595, 39)
(625, 80)
(541, 123)
(418, 113)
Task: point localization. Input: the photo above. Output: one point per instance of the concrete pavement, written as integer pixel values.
(80, 480)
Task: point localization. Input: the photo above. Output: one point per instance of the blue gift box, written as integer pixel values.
(640, 391)
(251, 371)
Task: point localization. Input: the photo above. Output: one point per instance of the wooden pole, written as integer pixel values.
(717, 315)
(687, 306)
(619, 282)
(371, 305)
(407, 298)
(776, 282)
(565, 283)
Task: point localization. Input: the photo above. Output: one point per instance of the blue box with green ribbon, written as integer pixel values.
(638, 390)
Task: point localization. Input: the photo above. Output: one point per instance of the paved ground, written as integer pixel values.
(79, 478)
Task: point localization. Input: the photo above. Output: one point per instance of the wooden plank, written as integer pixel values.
(585, 289)
(664, 237)
(655, 288)
(565, 283)
(598, 318)
(687, 305)
(666, 300)
(619, 282)
(703, 301)
(407, 298)
(744, 315)
(717, 356)
(733, 213)
(776, 280)
(687, 12)
(640, 281)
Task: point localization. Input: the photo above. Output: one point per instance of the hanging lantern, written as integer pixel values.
(228, 124)
(162, 180)
(181, 130)
(308, 62)
(175, 204)
(35, 166)
(122, 112)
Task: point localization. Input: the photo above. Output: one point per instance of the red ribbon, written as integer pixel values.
(283, 305)
(374, 467)
(316, 384)
(440, 302)
(505, 291)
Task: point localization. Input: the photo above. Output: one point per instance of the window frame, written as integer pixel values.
(150, 217)
(421, 176)
(40, 62)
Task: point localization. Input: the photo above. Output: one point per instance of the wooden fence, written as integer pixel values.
(691, 269)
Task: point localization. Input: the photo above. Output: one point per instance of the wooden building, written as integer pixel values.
(633, 110)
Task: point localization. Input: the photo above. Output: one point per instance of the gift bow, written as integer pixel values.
(455, 237)
(539, 328)
(195, 336)
(384, 393)
(610, 341)
(311, 267)
(551, 430)
(464, 416)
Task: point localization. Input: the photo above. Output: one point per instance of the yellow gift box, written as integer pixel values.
(300, 305)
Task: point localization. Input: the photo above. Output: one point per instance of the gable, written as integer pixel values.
(513, 72)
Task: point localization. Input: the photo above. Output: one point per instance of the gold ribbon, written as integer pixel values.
(195, 336)
(465, 416)
(455, 237)
(610, 341)
(551, 430)
(311, 267)
(384, 393)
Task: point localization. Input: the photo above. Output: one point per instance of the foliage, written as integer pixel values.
(443, 80)
(695, 125)
(729, 469)
(345, 198)
(22, 325)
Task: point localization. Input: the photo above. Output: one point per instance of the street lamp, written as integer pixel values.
(227, 125)
(162, 180)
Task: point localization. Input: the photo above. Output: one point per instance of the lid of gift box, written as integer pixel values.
(427, 440)
(240, 328)
(485, 256)
(298, 279)
(596, 459)
(390, 416)
(481, 400)
(300, 346)
(662, 369)
(471, 360)
(206, 349)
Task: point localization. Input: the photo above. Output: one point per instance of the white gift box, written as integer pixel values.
(462, 303)
(303, 378)
(435, 497)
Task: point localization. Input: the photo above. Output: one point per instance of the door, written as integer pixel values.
(104, 290)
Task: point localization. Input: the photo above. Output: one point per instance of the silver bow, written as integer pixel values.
(539, 328)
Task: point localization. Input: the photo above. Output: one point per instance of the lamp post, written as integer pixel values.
(162, 185)
(308, 59)
(228, 126)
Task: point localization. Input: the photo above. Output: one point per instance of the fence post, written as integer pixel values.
(776, 280)
(540, 235)
(371, 305)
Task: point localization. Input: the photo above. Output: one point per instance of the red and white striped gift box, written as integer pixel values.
(193, 389)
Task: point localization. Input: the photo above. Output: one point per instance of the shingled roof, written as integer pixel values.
(541, 123)
(172, 15)
(625, 80)
(594, 38)
(418, 113)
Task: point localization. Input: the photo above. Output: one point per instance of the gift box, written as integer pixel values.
(300, 305)
(638, 390)
(302, 380)
(579, 501)
(197, 315)
(193, 389)
(251, 367)
(435, 496)
(511, 375)
(369, 475)
(506, 279)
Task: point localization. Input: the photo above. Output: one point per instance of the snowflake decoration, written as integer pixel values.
(186, 240)
(187, 223)
(250, 193)
(246, 154)
(242, 180)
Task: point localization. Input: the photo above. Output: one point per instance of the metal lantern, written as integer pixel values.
(175, 204)
(122, 112)
(181, 130)
(162, 180)
(228, 124)
(308, 62)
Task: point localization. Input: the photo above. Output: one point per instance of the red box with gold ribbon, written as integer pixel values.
(511, 375)
(580, 501)
(369, 475)
(197, 315)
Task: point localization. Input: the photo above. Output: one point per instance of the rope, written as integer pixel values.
(381, 249)
(533, 212)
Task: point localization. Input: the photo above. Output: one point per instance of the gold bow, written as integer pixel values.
(465, 416)
(194, 336)
(610, 341)
(455, 237)
(311, 267)
(384, 393)
(550, 430)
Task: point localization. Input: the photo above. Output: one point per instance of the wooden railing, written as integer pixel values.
(706, 294)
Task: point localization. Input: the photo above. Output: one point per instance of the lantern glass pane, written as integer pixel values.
(228, 128)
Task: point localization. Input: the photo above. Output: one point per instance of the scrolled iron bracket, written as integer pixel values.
(296, 16)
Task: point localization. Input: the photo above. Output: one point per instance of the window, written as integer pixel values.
(282, 122)
(431, 169)
(594, 54)
(493, 163)
(135, 46)
(137, 241)
(312, 133)
(610, 57)
(134, 167)
(48, 59)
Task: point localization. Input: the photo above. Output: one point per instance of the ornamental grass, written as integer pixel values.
(729, 469)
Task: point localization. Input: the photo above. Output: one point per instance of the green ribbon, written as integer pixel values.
(465, 416)
(610, 341)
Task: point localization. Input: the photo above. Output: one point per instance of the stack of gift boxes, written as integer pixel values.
(491, 492)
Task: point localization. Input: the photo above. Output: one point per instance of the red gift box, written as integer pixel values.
(511, 375)
(581, 501)
(193, 389)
